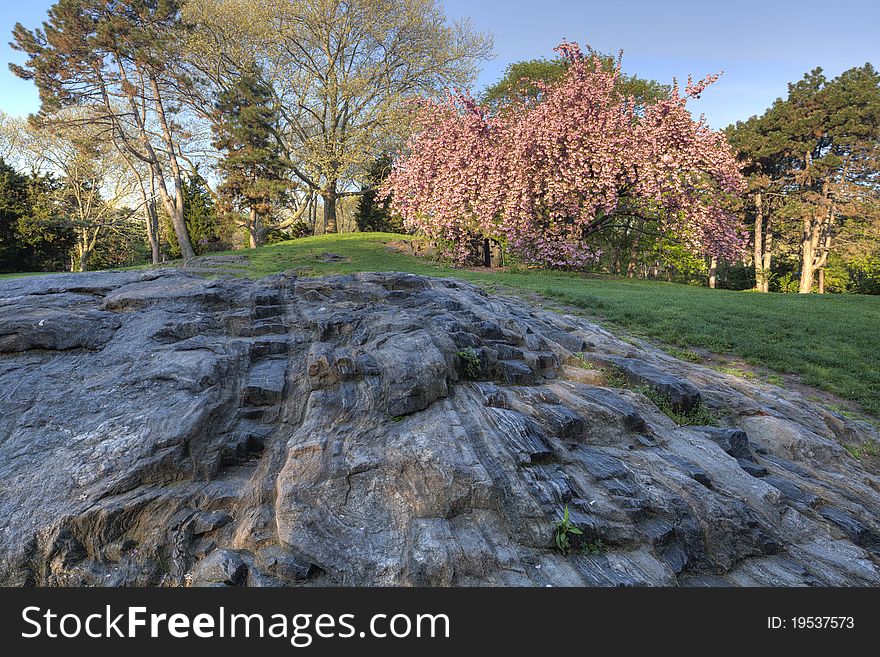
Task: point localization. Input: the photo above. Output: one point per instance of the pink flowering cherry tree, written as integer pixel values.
(544, 177)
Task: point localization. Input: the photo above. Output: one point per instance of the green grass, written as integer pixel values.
(828, 341)
(21, 274)
(684, 354)
(366, 252)
(699, 416)
(735, 371)
(583, 363)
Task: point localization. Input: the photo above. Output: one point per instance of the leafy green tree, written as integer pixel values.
(13, 205)
(526, 80)
(118, 63)
(46, 233)
(255, 174)
(34, 234)
(124, 246)
(200, 213)
(815, 155)
(372, 215)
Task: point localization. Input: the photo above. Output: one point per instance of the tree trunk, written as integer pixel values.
(84, 256)
(632, 262)
(809, 242)
(713, 273)
(151, 219)
(297, 215)
(760, 273)
(85, 248)
(179, 220)
(822, 261)
(313, 215)
(329, 197)
(175, 207)
(179, 223)
(254, 229)
(768, 258)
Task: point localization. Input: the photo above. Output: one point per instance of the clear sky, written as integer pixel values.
(760, 45)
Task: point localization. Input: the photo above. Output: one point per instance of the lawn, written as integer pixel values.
(829, 341)
(19, 275)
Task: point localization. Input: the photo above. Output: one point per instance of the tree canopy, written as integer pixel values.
(813, 160)
(545, 177)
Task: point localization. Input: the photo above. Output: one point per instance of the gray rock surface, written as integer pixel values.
(387, 429)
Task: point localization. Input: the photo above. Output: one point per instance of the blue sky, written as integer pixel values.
(760, 46)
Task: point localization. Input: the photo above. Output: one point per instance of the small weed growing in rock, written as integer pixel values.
(398, 418)
(870, 449)
(471, 362)
(734, 371)
(615, 378)
(582, 361)
(594, 548)
(564, 527)
(699, 416)
(684, 354)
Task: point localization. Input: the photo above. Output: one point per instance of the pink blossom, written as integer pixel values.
(543, 178)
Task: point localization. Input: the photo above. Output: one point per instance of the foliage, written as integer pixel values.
(341, 72)
(593, 548)
(526, 82)
(45, 236)
(615, 377)
(684, 354)
(13, 205)
(200, 214)
(202, 219)
(123, 247)
(582, 361)
(698, 416)
(373, 215)
(471, 361)
(813, 160)
(869, 449)
(33, 237)
(116, 64)
(544, 178)
(255, 175)
(563, 532)
(295, 231)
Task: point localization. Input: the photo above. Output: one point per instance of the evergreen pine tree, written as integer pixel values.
(253, 168)
(200, 214)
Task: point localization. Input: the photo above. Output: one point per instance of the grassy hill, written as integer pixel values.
(829, 342)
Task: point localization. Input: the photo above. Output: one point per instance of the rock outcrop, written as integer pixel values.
(388, 429)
